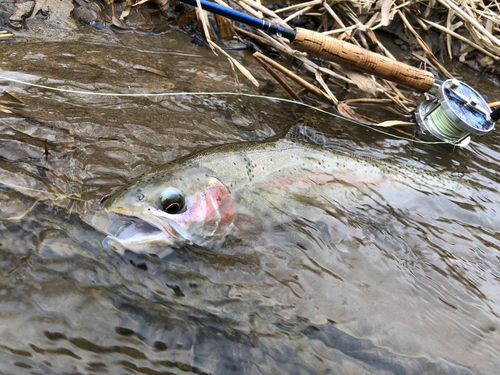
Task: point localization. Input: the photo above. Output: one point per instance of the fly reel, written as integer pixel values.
(455, 113)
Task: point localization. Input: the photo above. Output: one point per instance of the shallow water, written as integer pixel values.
(379, 289)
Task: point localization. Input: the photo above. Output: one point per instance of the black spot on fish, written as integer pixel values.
(139, 190)
(234, 163)
(180, 179)
(198, 179)
(206, 175)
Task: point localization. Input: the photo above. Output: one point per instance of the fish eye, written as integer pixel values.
(172, 201)
(140, 196)
(172, 207)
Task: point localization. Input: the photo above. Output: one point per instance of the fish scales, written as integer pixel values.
(253, 162)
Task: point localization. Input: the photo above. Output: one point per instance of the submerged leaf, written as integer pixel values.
(394, 123)
(241, 68)
(364, 82)
(126, 10)
(348, 112)
(6, 35)
(148, 69)
(225, 26)
(181, 21)
(10, 99)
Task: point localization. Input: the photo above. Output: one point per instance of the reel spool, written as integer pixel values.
(457, 111)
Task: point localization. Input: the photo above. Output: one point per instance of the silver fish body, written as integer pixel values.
(241, 190)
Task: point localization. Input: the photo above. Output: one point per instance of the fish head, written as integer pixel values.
(175, 206)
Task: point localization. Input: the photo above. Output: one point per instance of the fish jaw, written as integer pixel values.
(147, 232)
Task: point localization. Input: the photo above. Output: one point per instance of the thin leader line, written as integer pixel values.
(215, 94)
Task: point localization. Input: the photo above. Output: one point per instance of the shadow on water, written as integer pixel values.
(396, 285)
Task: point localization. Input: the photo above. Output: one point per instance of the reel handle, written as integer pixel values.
(495, 115)
(352, 56)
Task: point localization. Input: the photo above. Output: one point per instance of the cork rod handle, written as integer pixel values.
(354, 57)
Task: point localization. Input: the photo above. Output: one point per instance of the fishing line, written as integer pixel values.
(446, 125)
(222, 93)
(27, 188)
(55, 198)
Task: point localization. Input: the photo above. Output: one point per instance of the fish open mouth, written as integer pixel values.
(140, 230)
(137, 235)
(140, 234)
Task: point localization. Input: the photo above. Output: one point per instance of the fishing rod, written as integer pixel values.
(456, 112)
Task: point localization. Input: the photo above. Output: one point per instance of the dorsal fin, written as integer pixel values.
(294, 134)
(305, 134)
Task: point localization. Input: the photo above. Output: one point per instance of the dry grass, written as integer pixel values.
(467, 30)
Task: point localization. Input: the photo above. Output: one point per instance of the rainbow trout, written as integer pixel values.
(238, 190)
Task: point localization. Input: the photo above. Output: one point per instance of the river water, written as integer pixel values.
(377, 290)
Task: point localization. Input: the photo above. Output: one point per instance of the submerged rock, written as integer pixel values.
(56, 12)
(24, 10)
